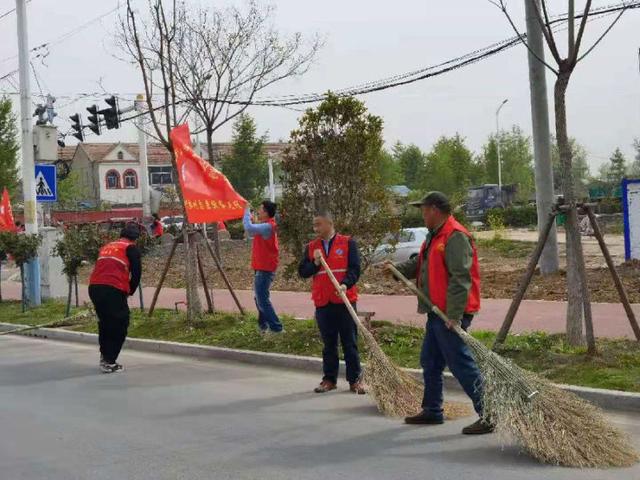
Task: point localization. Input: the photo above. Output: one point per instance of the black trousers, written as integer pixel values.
(113, 319)
(334, 322)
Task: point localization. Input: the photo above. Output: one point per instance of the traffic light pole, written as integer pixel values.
(28, 170)
(144, 170)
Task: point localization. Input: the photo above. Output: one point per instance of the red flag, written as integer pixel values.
(7, 224)
(208, 195)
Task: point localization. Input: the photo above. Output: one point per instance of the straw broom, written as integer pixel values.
(64, 322)
(396, 392)
(552, 425)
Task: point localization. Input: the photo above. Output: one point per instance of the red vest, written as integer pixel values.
(438, 273)
(264, 255)
(158, 229)
(322, 290)
(112, 266)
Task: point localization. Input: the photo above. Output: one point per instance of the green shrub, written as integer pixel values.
(235, 229)
(517, 216)
(495, 221)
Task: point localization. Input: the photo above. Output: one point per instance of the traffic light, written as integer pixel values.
(77, 126)
(94, 119)
(111, 114)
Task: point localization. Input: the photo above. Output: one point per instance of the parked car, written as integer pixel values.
(401, 246)
(175, 221)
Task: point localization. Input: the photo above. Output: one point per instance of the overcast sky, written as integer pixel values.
(368, 40)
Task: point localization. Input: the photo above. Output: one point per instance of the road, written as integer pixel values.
(168, 417)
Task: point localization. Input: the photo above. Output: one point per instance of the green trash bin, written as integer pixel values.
(561, 219)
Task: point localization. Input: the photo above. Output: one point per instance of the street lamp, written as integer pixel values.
(498, 145)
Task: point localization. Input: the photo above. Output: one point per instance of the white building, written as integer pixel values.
(110, 172)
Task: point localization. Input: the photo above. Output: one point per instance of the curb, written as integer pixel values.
(606, 399)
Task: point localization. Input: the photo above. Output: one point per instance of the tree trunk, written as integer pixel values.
(194, 306)
(75, 283)
(211, 159)
(69, 297)
(574, 246)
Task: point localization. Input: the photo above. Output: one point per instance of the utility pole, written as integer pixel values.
(549, 261)
(142, 148)
(28, 170)
(498, 147)
(272, 186)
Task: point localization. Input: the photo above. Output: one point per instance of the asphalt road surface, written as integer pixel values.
(168, 417)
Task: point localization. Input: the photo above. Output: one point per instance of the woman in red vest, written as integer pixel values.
(115, 276)
(332, 316)
(264, 262)
(157, 229)
(447, 271)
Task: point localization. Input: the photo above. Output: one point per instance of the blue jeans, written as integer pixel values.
(443, 347)
(267, 317)
(335, 322)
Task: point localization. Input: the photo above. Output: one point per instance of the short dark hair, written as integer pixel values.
(324, 214)
(270, 208)
(155, 215)
(131, 231)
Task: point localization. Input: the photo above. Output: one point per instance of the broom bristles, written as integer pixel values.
(395, 391)
(554, 426)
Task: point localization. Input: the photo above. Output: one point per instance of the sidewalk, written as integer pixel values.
(609, 319)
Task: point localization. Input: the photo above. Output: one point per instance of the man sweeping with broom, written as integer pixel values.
(115, 277)
(334, 320)
(447, 271)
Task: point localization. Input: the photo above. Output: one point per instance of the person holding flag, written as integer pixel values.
(264, 262)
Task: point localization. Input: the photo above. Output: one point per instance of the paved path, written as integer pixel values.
(169, 418)
(610, 319)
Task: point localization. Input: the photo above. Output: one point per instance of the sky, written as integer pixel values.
(366, 40)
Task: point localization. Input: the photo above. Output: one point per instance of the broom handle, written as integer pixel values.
(342, 294)
(411, 286)
(526, 389)
(62, 322)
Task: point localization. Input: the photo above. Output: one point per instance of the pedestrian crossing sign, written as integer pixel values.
(46, 185)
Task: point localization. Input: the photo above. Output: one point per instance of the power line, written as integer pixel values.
(64, 36)
(5, 14)
(287, 101)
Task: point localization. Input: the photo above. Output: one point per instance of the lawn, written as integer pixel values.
(617, 365)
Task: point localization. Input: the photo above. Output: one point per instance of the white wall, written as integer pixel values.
(120, 195)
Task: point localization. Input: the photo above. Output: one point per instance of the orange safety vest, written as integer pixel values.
(322, 290)
(158, 228)
(438, 273)
(112, 266)
(264, 255)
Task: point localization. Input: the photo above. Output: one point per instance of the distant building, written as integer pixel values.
(110, 172)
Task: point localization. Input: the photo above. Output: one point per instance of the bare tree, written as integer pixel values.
(227, 56)
(150, 41)
(577, 290)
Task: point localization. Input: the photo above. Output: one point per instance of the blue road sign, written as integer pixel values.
(46, 185)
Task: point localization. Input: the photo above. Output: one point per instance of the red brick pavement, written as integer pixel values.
(609, 319)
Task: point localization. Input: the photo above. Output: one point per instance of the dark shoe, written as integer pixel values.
(424, 418)
(111, 368)
(357, 387)
(480, 427)
(325, 386)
